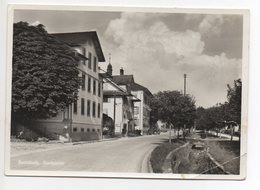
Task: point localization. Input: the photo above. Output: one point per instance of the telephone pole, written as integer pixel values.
(184, 91)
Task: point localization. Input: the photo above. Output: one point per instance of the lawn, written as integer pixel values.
(227, 154)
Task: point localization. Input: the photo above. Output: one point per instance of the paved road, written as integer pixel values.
(123, 155)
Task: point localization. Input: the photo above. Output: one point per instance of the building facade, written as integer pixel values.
(82, 120)
(131, 108)
(118, 102)
(141, 109)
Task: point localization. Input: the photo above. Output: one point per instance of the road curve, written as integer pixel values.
(123, 155)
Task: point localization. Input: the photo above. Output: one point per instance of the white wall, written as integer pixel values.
(78, 117)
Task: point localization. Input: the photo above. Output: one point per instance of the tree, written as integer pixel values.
(201, 118)
(234, 100)
(212, 118)
(175, 109)
(154, 113)
(221, 115)
(45, 76)
(108, 125)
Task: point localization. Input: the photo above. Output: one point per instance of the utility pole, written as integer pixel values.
(184, 91)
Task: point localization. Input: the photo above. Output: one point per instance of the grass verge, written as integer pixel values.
(160, 152)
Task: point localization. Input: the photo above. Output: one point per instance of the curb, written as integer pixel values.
(146, 166)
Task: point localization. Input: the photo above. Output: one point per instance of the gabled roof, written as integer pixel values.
(78, 38)
(137, 87)
(123, 79)
(114, 93)
(129, 80)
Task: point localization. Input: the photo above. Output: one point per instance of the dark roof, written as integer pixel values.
(129, 80)
(78, 38)
(80, 56)
(105, 75)
(114, 93)
(123, 79)
(137, 87)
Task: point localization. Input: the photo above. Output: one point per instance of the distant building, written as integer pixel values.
(141, 109)
(82, 120)
(118, 103)
(131, 103)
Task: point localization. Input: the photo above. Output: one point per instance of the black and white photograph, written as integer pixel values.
(127, 92)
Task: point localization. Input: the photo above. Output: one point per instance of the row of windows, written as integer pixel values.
(94, 82)
(75, 108)
(75, 129)
(90, 60)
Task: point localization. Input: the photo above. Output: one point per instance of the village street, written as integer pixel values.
(123, 155)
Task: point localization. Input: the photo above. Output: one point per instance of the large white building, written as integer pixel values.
(82, 120)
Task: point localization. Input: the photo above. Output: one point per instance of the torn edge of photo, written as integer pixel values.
(127, 92)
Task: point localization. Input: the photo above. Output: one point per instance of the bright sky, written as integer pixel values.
(159, 48)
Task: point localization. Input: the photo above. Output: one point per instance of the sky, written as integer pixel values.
(158, 48)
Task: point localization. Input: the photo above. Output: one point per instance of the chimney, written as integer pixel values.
(121, 71)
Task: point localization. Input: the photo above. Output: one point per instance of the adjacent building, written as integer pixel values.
(127, 103)
(118, 103)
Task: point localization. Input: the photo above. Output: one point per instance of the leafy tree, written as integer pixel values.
(220, 115)
(212, 118)
(234, 100)
(108, 125)
(45, 75)
(175, 109)
(201, 118)
(154, 114)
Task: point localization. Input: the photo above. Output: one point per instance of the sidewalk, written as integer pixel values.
(223, 135)
(19, 148)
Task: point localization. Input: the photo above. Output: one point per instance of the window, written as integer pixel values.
(88, 130)
(93, 130)
(98, 130)
(82, 129)
(82, 106)
(88, 108)
(89, 84)
(95, 64)
(99, 89)
(75, 107)
(106, 99)
(83, 81)
(98, 110)
(89, 60)
(136, 110)
(84, 53)
(137, 122)
(94, 87)
(94, 109)
(75, 129)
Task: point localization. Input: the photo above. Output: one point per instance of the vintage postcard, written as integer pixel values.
(127, 92)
